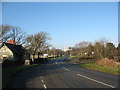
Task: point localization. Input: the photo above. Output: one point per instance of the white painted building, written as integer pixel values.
(10, 51)
(67, 49)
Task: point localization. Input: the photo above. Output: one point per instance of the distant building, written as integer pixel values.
(10, 51)
(67, 49)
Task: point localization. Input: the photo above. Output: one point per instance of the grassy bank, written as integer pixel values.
(93, 66)
(53, 58)
(72, 57)
(7, 73)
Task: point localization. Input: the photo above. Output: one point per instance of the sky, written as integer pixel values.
(67, 23)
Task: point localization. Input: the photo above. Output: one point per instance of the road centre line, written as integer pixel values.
(66, 69)
(44, 86)
(96, 81)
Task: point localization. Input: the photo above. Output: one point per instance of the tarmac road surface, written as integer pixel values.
(60, 74)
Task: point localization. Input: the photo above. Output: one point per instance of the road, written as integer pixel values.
(59, 74)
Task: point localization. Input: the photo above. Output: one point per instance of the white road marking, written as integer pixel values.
(66, 69)
(42, 81)
(96, 81)
(44, 86)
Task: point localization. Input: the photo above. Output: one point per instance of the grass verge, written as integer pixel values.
(8, 72)
(52, 58)
(71, 57)
(93, 66)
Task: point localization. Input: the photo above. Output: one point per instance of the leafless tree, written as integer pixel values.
(82, 47)
(17, 35)
(37, 42)
(56, 51)
(4, 33)
(90, 50)
(82, 44)
(99, 48)
(8, 32)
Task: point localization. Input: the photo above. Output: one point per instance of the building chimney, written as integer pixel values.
(11, 42)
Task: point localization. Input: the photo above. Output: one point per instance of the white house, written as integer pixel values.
(10, 51)
(67, 49)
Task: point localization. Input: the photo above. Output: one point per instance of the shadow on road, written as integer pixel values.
(32, 75)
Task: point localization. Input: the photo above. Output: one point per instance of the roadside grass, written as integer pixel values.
(53, 58)
(86, 58)
(8, 72)
(94, 66)
(71, 57)
(81, 58)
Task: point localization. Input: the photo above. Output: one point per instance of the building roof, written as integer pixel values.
(16, 49)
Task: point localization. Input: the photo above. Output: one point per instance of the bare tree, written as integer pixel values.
(82, 44)
(4, 33)
(17, 35)
(56, 52)
(99, 48)
(82, 47)
(37, 42)
(90, 49)
(8, 32)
